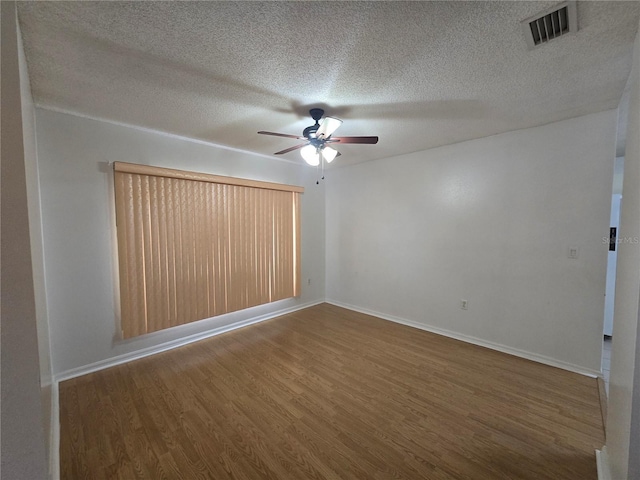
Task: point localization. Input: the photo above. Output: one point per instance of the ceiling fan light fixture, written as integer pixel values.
(328, 126)
(311, 155)
(329, 154)
(318, 137)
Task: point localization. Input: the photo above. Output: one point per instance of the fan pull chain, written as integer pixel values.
(320, 166)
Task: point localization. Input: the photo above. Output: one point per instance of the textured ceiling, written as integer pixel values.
(417, 74)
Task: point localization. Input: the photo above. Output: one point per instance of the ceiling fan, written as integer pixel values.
(319, 137)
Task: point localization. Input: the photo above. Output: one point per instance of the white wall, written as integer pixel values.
(35, 236)
(77, 214)
(23, 428)
(618, 175)
(623, 447)
(490, 221)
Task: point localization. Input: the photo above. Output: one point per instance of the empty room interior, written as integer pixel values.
(323, 240)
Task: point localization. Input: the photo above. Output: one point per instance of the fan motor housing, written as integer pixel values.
(316, 113)
(310, 132)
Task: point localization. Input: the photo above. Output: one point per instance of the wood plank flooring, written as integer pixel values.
(327, 393)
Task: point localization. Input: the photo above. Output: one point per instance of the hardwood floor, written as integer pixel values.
(327, 393)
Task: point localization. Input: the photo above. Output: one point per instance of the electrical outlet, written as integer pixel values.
(308, 281)
(464, 305)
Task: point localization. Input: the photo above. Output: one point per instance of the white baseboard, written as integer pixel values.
(54, 441)
(163, 347)
(473, 340)
(602, 462)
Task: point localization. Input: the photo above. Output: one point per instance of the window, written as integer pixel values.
(193, 246)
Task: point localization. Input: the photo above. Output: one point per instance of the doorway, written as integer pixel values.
(612, 258)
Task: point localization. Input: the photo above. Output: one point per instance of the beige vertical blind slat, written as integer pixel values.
(196, 259)
(289, 241)
(169, 252)
(139, 259)
(182, 272)
(232, 245)
(252, 281)
(122, 195)
(259, 241)
(179, 281)
(297, 245)
(270, 261)
(278, 246)
(254, 295)
(223, 236)
(249, 285)
(201, 252)
(259, 247)
(163, 247)
(220, 274)
(248, 248)
(283, 244)
(208, 247)
(265, 246)
(154, 286)
(188, 252)
(191, 247)
(185, 246)
(242, 259)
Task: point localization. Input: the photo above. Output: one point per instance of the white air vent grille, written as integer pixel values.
(550, 24)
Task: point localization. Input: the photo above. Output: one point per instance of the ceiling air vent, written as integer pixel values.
(550, 24)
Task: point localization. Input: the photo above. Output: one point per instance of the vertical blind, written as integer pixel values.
(193, 246)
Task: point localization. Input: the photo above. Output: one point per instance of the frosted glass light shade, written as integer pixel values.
(329, 154)
(328, 126)
(310, 155)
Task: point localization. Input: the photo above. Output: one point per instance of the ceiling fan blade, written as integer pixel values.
(365, 140)
(327, 127)
(281, 135)
(291, 149)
